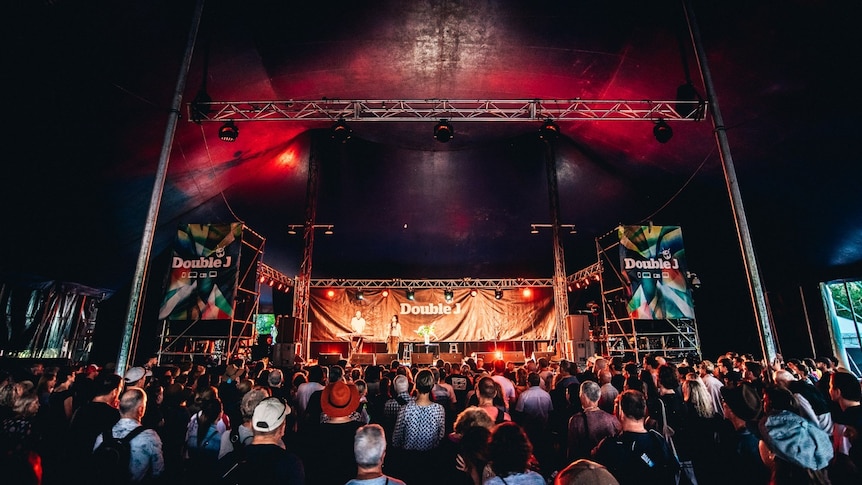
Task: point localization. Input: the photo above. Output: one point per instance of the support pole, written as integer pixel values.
(303, 280)
(133, 314)
(561, 297)
(755, 286)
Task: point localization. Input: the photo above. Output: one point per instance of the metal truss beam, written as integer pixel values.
(419, 284)
(435, 109)
(267, 273)
(592, 272)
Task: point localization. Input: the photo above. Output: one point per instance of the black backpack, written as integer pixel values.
(111, 459)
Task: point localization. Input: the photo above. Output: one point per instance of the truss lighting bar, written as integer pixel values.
(453, 110)
(444, 284)
(268, 272)
(592, 271)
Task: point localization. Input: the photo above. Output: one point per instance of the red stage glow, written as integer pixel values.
(385, 293)
(473, 293)
(527, 292)
(330, 294)
(498, 355)
(287, 158)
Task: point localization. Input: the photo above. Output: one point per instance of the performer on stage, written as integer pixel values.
(394, 335)
(357, 324)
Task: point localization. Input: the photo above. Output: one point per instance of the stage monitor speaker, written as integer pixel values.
(583, 349)
(288, 330)
(548, 355)
(362, 359)
(328, 359)
(284, 355)
(421, 359)
(385, 359)
(578, 327)
(452, 357)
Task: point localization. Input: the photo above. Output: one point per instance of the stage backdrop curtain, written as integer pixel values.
(47, 318)
(464, 318)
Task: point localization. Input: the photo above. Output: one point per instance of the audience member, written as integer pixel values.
(369, 448)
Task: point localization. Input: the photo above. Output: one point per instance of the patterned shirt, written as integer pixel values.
(419, 427)
(392, 407)
(146, 450)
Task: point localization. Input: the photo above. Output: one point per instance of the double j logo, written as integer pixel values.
(667, 262)
(212, 262)
(430, 309)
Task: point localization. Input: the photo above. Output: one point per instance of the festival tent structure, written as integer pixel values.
(90, 87)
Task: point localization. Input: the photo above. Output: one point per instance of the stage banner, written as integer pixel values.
(652, 265)
(462, 318)
(204, 273)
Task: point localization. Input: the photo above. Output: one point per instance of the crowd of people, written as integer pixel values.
(732, 420)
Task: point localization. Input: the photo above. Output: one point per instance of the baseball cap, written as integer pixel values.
(135, 374)
(269, 414)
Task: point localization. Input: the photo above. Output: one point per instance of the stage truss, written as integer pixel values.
(629, 338)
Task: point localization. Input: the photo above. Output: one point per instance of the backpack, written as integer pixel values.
(111, 459)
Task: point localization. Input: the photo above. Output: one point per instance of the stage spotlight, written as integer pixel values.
(360, 295)
(549, 131)
(527, 292)
(340, 132)
(498, 294)
(473, 293)
(262, 279)
(271, 282)
(448, 295)
(328, 231)
(228, 132)
(443, 131)
(662, 132)
(385, 293)
(410, 295)
(330, 294)
(534, 229)
(280, 286)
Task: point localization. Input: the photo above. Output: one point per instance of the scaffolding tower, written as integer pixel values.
(621, 335)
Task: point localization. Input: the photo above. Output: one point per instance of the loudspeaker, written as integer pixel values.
(583, 349)
(385, 359)
(578, 327)
(421, 359)
(288, 330)
(548, 355)
(328, 359)
(362, 359)
(452, 358)
(283, 355)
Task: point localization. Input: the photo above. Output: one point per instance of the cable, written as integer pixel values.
(674, 196)
(212, 169)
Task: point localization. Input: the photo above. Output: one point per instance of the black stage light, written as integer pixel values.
(443, 131)
(410, 295)
(549, 131)
(448, 295)
(498, 294)
(340, 132)
(662, 132)
(228, 132)
(360, 295)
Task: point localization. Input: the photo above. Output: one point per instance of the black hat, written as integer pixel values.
(743, 400)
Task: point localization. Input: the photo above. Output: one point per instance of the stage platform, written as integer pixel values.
(510, 350)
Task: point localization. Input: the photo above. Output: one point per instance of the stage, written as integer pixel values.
(418, 351)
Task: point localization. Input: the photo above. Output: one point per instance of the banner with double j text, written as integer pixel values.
(466, 316)
(652, 265)
(204, 273)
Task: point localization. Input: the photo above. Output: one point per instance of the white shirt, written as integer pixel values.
(357, 324)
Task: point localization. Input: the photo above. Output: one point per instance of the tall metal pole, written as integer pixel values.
(807, 322)
(755, 286)
(133, 313)
(303, 280)
(561, 298)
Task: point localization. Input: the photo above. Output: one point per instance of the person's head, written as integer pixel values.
(358, 313)
(133, 403)
(249, 402)
(604, 377)
(472, 416)
(567, 367)
(424, 381)
(336, 373)
(487, 388)
(275, 378)
(630, 370)
(369, 446)
(753, 371)
(632, 405)
(650, 362)
(509, 449)
(544, 363)
(499, 366)
(269, 417)
(590, 393)
(844, 385)
(401, 384)
(534, 379)
(783, 377)
(107, 384)
(361, 387)
(823, 363)
(668, 377)
(742, 402)
(339, 399)
(26, 405)
(394, 319)
(315, 374)
(777, 399)
(136, 376)
(585, 472)
(695, 393)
